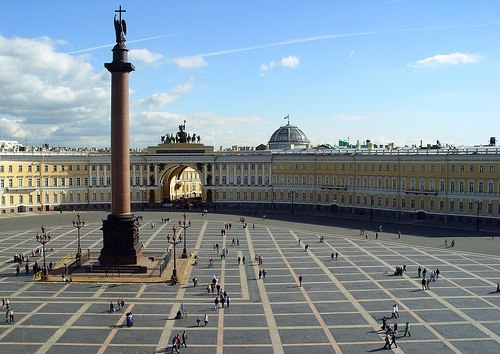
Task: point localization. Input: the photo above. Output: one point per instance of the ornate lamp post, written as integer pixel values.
(79, 223)
(184, 224)
(479, 203)
(43, 238)
(174, 241)
(371, 207)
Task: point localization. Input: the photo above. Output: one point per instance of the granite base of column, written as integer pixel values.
(121, 240)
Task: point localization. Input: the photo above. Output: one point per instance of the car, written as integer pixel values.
(168, 205)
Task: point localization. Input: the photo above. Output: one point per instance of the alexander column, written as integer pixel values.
(121, 228)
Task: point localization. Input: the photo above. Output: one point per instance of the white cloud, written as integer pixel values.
(450, 59)
(159, 99)
(46, 95)
(290, 62)
(144, 56)
(193, 62)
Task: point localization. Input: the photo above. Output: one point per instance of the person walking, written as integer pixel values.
(176, 344)
(206, 320)
(216, 303)
(423, 283)
(407, 329)
(393, 311)
(184, 339)
(387, 341)
(419, 271)
(396, 310)
(300, 280)
(393, 340)
(11, 315)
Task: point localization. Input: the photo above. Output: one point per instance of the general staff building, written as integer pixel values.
(448, 184)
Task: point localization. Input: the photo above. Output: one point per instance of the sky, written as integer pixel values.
(391, 71)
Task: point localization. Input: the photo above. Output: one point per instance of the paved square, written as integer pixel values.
(338, 308)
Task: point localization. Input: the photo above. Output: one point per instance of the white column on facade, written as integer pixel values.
(90, 175)
(235, 171)
(156, 174)
(104, 181)
(96, 175)
(133, 174)
(270, 173)
(220, 172)
(140, 173)
(242, 173)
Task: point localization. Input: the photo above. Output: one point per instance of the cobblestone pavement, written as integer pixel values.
(338, 308)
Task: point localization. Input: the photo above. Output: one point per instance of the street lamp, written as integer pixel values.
(291, 194)
(174, 241)
(371, 206)
(184, 224)
(43, 238)
(79, 223)
(479, 203)
(143, 190)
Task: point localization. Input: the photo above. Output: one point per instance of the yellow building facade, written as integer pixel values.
(441, 183)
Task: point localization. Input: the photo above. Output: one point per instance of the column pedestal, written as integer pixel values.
(121, 240)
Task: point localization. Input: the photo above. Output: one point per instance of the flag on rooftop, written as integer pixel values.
(287, 116)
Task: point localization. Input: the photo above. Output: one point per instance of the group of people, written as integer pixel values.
(391, 332)
(426, 281)
(9, 311)
(178, 341)
(120, 304)
(400, 270)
